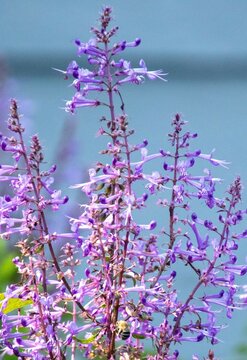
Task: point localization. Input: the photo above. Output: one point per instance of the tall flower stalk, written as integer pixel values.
(128, 292)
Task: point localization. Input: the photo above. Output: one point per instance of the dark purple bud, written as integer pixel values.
(87, 272)
(221, 293)
(194, 153)
(244, 233)
(192, 162)
(77, 42)
(214, 341)
(107, 10)
(86, 252)
(165, 166)
(243, 271)
(194, 216)
(208, 224)
(144, 301)
(239, 216)
(200, 337)
(15, 260)
(79, 242)
(69, 340)
(164, 153)
(75, 74)
(153, 225)
(142, 145)
(23, 322)
(65, 199)
(233, 259)
(189, 244)
(123, 45)
(3, 145)
(119, 47)
(137, 230)
(173, 258)
(173, 274)
(53, 169)
(138, 41)
(16, 351)
(234, 246)
(7, 198)
(221, 219)
(145, 196)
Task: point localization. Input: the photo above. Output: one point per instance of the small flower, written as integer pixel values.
(79, 101)
(213, 161)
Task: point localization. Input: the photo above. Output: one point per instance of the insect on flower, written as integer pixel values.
(123, 330)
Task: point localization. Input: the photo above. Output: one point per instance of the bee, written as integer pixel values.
(123, 329)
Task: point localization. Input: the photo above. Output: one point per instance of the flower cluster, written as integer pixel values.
(128, 291)
(107, 73)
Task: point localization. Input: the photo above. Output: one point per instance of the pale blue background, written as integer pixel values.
(201, 44)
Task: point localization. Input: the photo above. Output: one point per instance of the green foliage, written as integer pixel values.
(8, 273)
(8, 357)
(242, 349)
(13, 304)
(86, 341)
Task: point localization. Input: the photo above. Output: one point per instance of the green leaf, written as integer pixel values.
(86, 341)
(7, 267)
(14, 304)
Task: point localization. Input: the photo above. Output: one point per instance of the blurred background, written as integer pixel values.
(202, 45)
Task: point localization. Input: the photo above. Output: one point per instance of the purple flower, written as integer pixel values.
(80, 101)
(128, 288)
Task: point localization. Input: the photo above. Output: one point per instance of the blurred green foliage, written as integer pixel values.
(8, 272)
(241, 349)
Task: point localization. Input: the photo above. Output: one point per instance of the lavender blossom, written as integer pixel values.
(113, 269)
